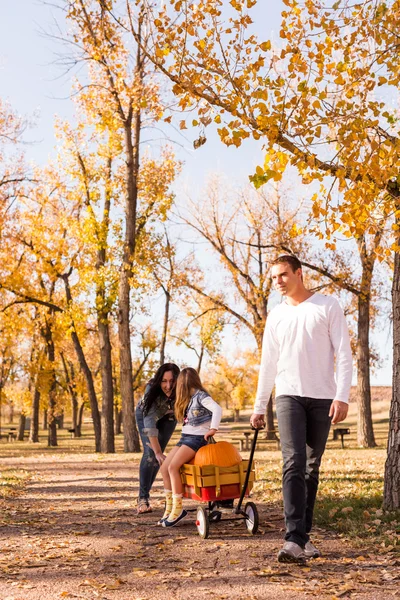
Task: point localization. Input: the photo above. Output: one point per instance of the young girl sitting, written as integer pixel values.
(201, 417)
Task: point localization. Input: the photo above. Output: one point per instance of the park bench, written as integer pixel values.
(71, 431)
(245, 442)
(340, 432)
(12, 434)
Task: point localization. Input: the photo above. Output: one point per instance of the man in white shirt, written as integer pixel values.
(305, 340)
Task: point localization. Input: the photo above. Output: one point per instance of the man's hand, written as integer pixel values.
(338, 411)
(257, 421)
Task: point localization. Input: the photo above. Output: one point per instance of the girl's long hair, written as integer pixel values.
(187, 381)
(155, 390)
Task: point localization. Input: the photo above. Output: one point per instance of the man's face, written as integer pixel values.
(284, 279)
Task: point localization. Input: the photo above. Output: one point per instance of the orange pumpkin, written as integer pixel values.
(220, 454)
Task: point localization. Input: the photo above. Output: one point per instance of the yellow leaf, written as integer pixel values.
(265, 46)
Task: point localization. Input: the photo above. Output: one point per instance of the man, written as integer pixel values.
(305, 338)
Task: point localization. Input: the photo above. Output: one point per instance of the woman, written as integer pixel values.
(201, 417)
(156, 423)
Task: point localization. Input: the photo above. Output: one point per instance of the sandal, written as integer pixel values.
(143, 506)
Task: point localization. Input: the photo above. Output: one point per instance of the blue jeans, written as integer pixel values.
(149, 464)
(303, 427)
(195, 442)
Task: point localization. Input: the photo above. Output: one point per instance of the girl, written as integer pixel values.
(156, 423)
(201, 417)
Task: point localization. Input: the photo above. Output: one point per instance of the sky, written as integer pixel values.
(35, 86)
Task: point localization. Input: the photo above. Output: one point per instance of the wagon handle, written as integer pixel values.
(246, 481)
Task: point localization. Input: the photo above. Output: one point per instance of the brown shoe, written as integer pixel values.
(143, 506)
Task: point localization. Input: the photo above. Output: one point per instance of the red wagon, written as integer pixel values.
(219, 487)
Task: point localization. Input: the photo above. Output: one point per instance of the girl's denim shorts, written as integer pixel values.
(195, 442)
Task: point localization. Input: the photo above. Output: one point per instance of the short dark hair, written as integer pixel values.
(290, 259)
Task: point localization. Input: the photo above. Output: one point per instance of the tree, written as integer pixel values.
(234, 381)
(319, 103)
(124, 100)
(244, 230)
(203, 332)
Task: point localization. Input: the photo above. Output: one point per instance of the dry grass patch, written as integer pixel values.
(12, 482)
(349, 499)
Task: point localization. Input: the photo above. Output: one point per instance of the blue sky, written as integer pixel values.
(37, 88)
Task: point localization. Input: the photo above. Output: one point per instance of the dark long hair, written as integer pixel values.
(155, 391)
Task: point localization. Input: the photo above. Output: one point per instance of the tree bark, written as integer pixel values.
(391, 494)
(70, 381)
(269, 413)
(270, 433)
(365, 431)
(21, 427)
(34, 429)
(132, 146)
(117, 420)
(131, 438)
(60, 420)
(165, 326)
(51, 420)
(78, 429)
(107, 406)
(44, 421)
(87, 374)
(200, 361)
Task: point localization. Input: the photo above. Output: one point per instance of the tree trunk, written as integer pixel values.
(236, 415)
(165, 326)
(11, 415)
(117, 420)
(34, 429)
(51, 420)
(365, 431)
(70, 380)
(132, 130)
(200, 361)
(21, 427)
(60, 420)
(391, 494)
(107, 406)
(87, 374)
(78, 428)
(131, 437)
(270, 426)
(269, 414)
(44, 421)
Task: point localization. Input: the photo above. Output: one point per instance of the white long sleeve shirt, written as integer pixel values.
(213, 423)
(300, 346)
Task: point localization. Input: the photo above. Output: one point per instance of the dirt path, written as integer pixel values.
(74, 533)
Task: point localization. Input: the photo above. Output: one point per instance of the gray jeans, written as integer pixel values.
(303, 427)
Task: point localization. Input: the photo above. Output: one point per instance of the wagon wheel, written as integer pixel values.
(202, 522)
(215, 516)
(252, 520)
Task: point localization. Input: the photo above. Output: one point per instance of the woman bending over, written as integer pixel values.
(201, 416)
(156, 423)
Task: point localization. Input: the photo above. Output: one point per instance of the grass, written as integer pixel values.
(12, 482)
(349, 497)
